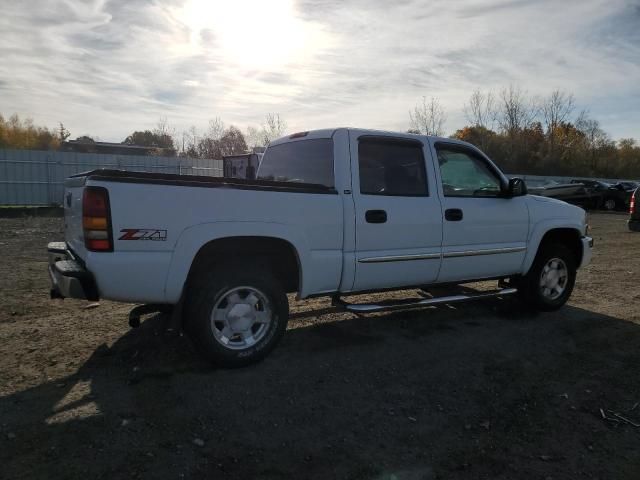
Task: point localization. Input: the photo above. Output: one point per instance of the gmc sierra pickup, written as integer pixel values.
(331, 212)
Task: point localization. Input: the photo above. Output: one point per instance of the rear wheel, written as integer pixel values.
(549, 283)
(236, 314)
(610, 204)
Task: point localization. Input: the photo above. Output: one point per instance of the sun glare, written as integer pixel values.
(251, 33)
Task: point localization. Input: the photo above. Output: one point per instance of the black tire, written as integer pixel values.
(529, 286)
(210, 288)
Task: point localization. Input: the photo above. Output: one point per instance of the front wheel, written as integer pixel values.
(236, 314)
(549, 283)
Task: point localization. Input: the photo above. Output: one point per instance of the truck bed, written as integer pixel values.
(125, 176)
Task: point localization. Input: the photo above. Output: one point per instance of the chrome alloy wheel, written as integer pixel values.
(241, 318)
(554, 279)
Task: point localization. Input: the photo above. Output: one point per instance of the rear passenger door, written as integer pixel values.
(398, 216)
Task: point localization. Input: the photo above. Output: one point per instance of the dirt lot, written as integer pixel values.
(476, 391)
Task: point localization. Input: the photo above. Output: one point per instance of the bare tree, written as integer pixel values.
(163, 127)
(428, 117)
(515, 111)
(596, 138)
(190, 142)
(164, 136)
(556, 109)
(216, 129)
(481, 110)
(273, 127)
(253, 137)
(208, 145)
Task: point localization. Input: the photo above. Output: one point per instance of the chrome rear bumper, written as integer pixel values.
(69, 278)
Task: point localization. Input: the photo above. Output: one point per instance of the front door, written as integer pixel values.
(398, 214)
(484, 232)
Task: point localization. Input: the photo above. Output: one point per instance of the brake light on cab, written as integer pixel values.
(96, 220)
(632, 205)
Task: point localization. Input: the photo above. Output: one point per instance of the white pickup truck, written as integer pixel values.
(332, 212)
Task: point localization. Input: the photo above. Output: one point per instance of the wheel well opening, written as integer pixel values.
(278, 254)
(569, 237)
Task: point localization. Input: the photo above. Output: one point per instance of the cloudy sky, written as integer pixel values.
(107, 67)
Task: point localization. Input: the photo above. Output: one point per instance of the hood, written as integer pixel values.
(546, 207)
(557, 201)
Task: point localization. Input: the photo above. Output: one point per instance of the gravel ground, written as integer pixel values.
(467, 392)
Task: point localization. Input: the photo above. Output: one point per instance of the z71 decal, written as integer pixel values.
(143, 234)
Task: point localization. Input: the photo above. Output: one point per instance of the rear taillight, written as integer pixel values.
(632, 205)
(96, 219)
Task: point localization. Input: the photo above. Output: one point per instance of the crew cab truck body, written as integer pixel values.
(332, 212)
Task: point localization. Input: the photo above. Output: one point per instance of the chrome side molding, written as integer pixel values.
(488, 251)
(400, 258)
(436, 256)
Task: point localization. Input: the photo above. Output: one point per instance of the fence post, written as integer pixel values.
(48, 180)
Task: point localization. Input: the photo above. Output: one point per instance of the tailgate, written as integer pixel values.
(73, 233)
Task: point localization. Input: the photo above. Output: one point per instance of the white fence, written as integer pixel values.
(30, 177)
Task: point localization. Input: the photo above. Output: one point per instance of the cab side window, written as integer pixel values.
(466, 174)
(391, 167)
(302, 161)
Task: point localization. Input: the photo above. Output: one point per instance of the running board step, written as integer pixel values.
(425, 302)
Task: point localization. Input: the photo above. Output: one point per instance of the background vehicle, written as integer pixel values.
(629, 186)
(241, 166)
(593, 191)
(616, 197)
(574, 192)
(333, 212)
(551, 188)
(610, 196)
(634, 212)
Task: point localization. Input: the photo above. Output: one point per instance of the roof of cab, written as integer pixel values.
(308, 135)
(328, 133)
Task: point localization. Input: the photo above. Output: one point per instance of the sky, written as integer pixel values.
(108, 67)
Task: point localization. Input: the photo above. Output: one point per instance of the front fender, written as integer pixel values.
(192, 239)
(538, 232)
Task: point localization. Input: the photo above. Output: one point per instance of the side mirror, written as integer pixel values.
(516, 188)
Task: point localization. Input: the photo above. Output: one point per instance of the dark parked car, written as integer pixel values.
(608, 196)
(634, 212)
(629, 185)
(620, 193)
(593, 192)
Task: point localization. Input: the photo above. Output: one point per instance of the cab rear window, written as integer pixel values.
(302, 161)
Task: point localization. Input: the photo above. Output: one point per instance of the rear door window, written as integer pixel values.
(302, 161)
(392, 167)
